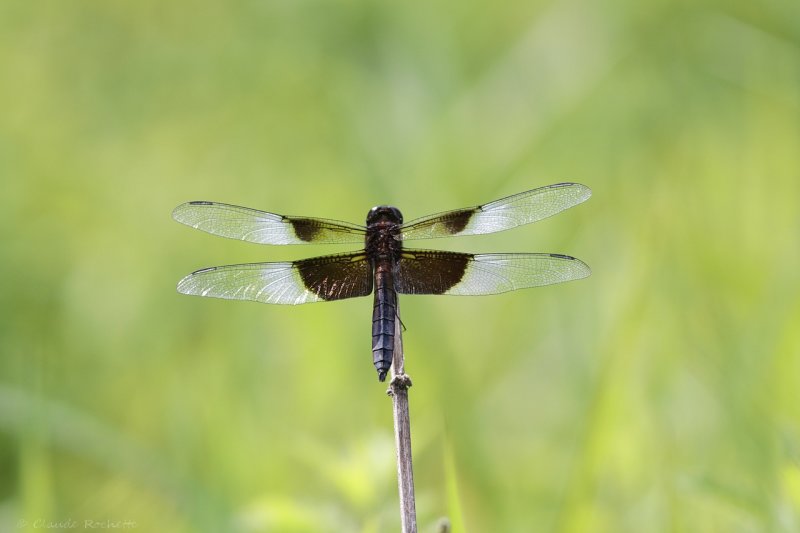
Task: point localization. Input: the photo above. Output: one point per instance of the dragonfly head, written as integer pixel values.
(384, 213)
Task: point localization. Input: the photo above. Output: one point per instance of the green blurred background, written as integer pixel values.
(660, 394)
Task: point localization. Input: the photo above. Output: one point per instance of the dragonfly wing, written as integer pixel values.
(252, 225)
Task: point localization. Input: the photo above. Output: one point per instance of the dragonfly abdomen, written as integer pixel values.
(384, 312)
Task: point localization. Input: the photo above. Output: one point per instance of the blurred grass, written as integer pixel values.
(658, 395)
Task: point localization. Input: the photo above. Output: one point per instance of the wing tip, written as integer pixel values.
(181, 287)
(184, 286)
(584, 192)
(584, 270)
(178, 211)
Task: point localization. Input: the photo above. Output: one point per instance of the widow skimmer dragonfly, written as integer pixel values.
(383, 263)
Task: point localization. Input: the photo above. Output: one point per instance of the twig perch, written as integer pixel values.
(398, 390)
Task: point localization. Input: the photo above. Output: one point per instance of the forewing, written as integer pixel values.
(261, 227)
(331, 277)
(439, 272)
(507, 213)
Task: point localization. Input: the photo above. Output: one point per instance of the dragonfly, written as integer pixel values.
(382, 265)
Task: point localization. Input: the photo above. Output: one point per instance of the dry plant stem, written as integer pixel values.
(398, 390)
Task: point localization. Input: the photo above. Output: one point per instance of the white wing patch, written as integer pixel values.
(252, 225)
(506, 213)
(526, 207)
(271, 283)
(496, 273)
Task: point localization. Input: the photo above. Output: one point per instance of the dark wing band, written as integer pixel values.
(331, 277)
(507, 213)
(437, 272)
(261, 227)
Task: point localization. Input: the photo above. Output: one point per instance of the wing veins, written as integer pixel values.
(506, 213)
(262, 227)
